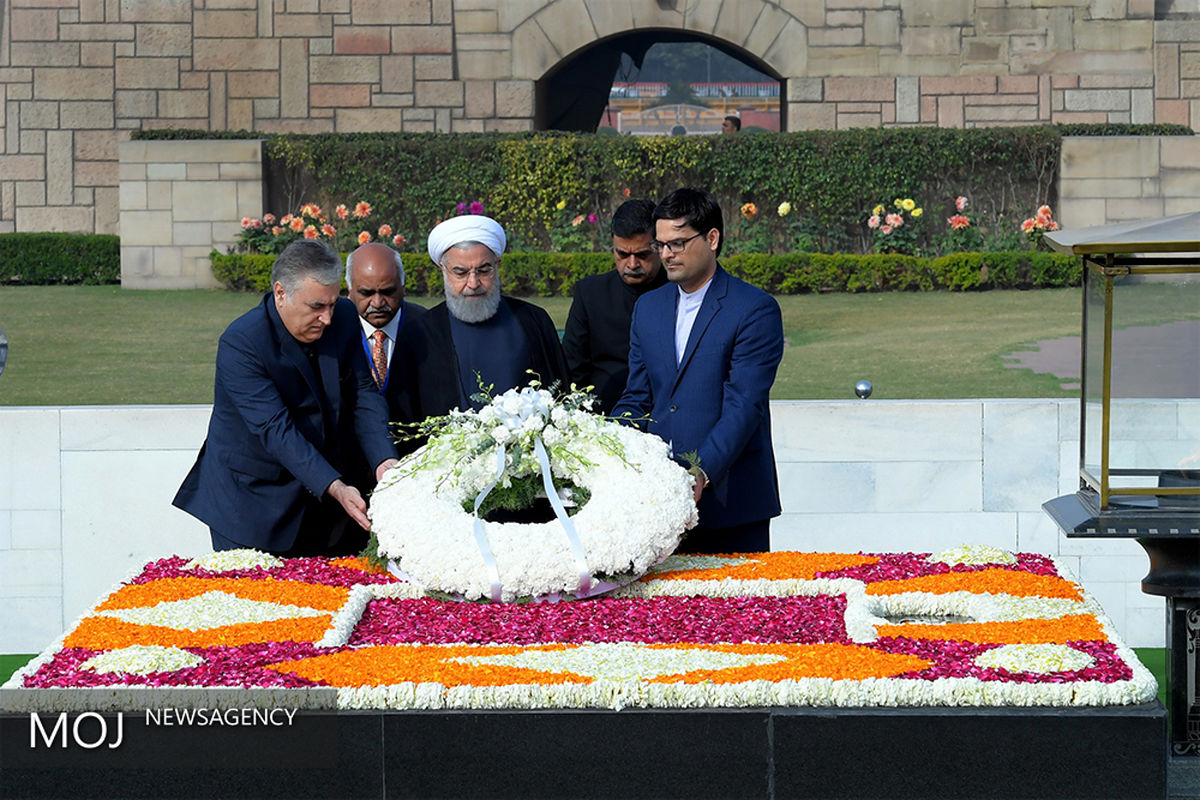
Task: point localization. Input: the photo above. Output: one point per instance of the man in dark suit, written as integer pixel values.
(702, 358)
(476, 337)
(375, 281)
(289, 372)
(596, 337)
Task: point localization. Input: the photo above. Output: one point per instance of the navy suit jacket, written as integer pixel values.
(715, 401)
(273, 446)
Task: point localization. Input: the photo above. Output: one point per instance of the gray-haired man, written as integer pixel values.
(290, 375)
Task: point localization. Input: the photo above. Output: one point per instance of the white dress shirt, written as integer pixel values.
(685, 316)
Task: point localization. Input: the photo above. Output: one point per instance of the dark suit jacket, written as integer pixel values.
(596, 337)
(716, 401)
(272, 447)
(431, 376)
(395, 385)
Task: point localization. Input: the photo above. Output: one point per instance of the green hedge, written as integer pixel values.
(49, 258)
(551, 274)
(831, 178)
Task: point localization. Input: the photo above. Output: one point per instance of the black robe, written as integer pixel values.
(432, 383)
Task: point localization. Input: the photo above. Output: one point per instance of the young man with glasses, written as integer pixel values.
(702, 358)
(596, 337)
(477, 336)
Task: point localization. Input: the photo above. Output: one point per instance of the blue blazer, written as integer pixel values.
(716, 401)
(275, 442)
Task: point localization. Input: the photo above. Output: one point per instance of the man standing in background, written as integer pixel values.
(596, 337)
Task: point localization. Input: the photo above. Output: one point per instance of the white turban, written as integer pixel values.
(466, 228)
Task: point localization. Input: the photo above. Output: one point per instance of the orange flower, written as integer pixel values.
(276, 230)
(247, 222)
(749, 210)
(626, 191)
(994, 581)
(297, 224)
(328, 230)
(1074, 628)
(270, 590)
(268, 219)
(341, 211)
(958, 222)
(107, 633)
(398, 240)
(1044, 211)
(385, 231)
(362, 209)
(781, 565)
(310, 232)
(575, 222)
(1028, 225)
(364, 237)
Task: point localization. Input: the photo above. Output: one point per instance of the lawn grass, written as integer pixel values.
(101, 345)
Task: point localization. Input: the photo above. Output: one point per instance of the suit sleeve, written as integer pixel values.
(576, 343)
(257, 400)
(757, 351)
(637, 400)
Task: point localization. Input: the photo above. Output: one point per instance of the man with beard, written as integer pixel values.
(596, 339)
(477, 337)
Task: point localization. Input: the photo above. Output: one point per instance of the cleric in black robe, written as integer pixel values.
(596, 339)
(476, 336)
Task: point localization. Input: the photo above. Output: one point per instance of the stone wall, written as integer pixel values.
(77, 75)
(1119, 178)
(85, 496)
(179, 200)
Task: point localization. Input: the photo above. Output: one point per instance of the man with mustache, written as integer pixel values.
(476, 337)
(703, 353)
(596, 338)
(375, 281)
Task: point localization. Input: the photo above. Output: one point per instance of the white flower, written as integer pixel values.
(559, 416)
(532, 424)
(501, 434)
(974, 555)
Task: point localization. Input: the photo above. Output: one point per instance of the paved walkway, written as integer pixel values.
(1150, 360)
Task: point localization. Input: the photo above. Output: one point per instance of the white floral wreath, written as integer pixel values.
(641, 503)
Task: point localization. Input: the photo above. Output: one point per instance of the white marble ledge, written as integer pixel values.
(180, 427)
(877, 430)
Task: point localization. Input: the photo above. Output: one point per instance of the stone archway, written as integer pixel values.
(575, 36)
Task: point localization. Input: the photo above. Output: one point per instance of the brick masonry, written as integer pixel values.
(76, 76)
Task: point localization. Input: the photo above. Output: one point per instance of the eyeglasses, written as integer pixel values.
(676, 246)
(480, 272)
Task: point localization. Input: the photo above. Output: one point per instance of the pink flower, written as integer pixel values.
(310, 232)
(460, 209)
(873, 222)
(575, 222)
(362, 209)
(247, 223)
(592, 218)
(1051, 225)
(1044, 211)
(341, 211)
(385, 231)
(958, 222)
(960, 203)
(364, 237)
(287, 219)
(476, 207)
(886, 229)
(268, 219)
(398, 240)
(276, 230)
(1028, 225)
(895, 220)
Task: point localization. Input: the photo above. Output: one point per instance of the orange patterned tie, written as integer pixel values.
(379, 356)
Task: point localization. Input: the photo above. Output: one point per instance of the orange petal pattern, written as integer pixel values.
(1073, 628)
(782, 565)
(992, 581)
(106, 633)
(270, 590)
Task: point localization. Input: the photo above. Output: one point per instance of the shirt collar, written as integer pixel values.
(391, 329)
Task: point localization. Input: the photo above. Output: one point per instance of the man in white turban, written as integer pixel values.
(477, 337)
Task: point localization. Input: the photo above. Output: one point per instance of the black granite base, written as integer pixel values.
(735, 753)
